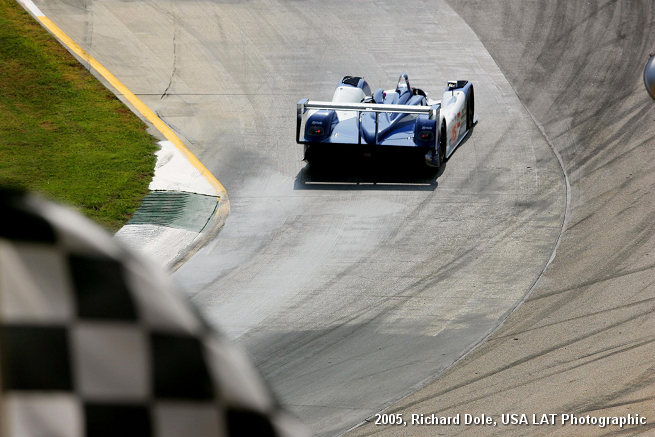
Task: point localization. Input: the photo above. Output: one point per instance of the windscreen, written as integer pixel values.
(403, 84)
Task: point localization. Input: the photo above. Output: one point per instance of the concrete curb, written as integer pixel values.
(171, 230)
(213, 227)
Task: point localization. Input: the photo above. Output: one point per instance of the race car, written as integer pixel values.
(400, 119)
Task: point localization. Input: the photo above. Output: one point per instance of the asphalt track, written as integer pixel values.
(353, 286)
(584, 341)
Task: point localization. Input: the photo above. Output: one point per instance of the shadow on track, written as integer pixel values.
(375, 172)
(356, 171)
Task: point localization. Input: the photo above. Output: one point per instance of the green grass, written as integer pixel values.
(62, 133)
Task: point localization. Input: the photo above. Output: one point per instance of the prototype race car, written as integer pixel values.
(403, 118)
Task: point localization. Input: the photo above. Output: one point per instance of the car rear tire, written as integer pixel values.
(311, 156)
(443, 143)
(470, 109)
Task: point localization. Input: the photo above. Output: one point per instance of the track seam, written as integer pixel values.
(565, 220)
(122, 90)
(222, 207)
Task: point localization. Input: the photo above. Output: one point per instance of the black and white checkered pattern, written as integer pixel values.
(94, 342)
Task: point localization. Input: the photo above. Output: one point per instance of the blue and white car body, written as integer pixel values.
(403, 118)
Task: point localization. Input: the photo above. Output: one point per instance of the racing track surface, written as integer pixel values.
(353, 287)
(584, 341)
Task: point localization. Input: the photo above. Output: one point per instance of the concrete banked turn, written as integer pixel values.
(352, 292)
(584, 341)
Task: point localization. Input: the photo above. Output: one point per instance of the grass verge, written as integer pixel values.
(62, 133)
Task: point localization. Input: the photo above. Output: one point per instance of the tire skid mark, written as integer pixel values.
(578, 72)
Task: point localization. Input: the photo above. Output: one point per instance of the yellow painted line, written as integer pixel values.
(146, 112)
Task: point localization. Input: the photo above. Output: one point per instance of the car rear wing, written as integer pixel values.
(306, 104)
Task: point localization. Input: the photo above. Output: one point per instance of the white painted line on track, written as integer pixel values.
(30, 6)
(173, 172)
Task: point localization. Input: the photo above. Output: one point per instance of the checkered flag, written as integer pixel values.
(94, 342)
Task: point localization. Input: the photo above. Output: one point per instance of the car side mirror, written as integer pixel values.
(649, 76)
